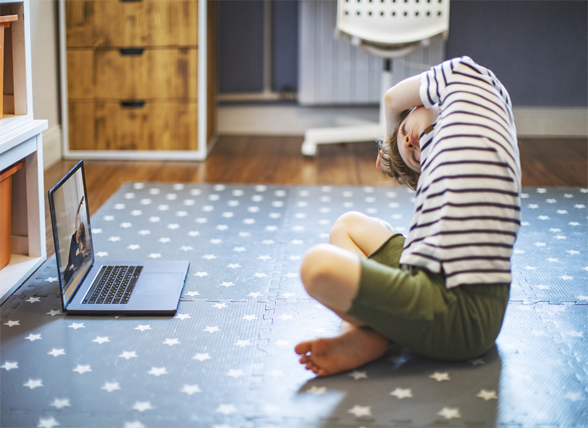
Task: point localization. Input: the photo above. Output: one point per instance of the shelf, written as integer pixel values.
(28, 204)
(16, 272)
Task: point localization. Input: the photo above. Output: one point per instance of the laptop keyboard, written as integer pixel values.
(114, 285)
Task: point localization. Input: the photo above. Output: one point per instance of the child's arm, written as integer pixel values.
(77, 214)
(402, 96)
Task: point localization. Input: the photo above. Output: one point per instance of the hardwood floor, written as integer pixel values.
(277, 160)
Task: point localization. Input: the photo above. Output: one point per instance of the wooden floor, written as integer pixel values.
(277, 160)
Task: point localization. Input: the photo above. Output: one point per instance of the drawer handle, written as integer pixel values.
(131, 51)
(132, 104)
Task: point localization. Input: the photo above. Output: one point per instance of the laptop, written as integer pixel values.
(105, 288)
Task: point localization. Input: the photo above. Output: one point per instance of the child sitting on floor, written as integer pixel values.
(442, 291)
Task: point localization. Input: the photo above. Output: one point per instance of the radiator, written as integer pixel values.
(333, 71)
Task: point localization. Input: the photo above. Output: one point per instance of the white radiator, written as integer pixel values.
(333, 71)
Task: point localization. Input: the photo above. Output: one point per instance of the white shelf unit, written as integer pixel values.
(21, 139)
(18, 104)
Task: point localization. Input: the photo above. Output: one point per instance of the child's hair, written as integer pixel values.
(392, 163)
(82, 230)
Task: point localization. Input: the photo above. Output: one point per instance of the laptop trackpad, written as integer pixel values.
(158, 284)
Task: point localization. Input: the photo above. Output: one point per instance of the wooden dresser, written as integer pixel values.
(138, 78)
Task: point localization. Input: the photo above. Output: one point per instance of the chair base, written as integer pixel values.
(343, 134)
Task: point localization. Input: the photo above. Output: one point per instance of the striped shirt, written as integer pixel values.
(467, 206)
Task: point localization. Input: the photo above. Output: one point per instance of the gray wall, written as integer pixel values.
(241, 45)
(537, 48)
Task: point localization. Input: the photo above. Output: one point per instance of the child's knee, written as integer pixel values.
(345, 224)
(317, 265)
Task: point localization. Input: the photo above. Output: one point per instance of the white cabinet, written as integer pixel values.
(21, 139)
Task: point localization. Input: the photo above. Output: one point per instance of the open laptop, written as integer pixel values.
(112, 287)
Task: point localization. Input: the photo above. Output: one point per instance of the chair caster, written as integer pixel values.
(308, 149)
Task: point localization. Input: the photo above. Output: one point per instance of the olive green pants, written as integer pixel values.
(413, 308)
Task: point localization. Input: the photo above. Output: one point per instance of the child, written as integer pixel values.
(442, 291)
(78, 249)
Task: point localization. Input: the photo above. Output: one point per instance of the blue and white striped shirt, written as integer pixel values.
(467, 210)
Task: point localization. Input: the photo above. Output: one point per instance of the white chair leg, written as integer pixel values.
(343, 134)
(308, 148)
(349, 134)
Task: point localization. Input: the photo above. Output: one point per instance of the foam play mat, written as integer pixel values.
(226, 358)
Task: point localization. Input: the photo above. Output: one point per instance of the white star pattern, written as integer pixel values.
(143, 327)
(574, 396)
(359, 411)
(47, 423)
(487, 395)
(401, 393)
(226, 409)
(201, 357)
(32, 337)
(317, 390)
(440, 377)
(157, 371)
(9, 365)
(191, 389)
(449, 413)
(111, 386)
(225, 286)
(235, 373)
(59, 403)
(81, 369)
(359, 375)
(34, 383)
(56, 352)
(141, 406)
(184, 316)
(76, 325)
(220, 305)
(127, 355)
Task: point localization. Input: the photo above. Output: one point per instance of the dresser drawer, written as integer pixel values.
(91, 23)
(151, 125)
(133, 73)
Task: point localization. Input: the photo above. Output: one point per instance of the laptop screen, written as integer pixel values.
(71, 230)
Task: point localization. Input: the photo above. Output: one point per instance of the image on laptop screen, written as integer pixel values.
(72, 233)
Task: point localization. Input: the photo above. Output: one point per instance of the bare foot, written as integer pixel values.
(351, 349)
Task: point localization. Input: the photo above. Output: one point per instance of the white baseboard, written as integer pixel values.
(531, 122)
(287, 119)
(551, 122)
(51, 146)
